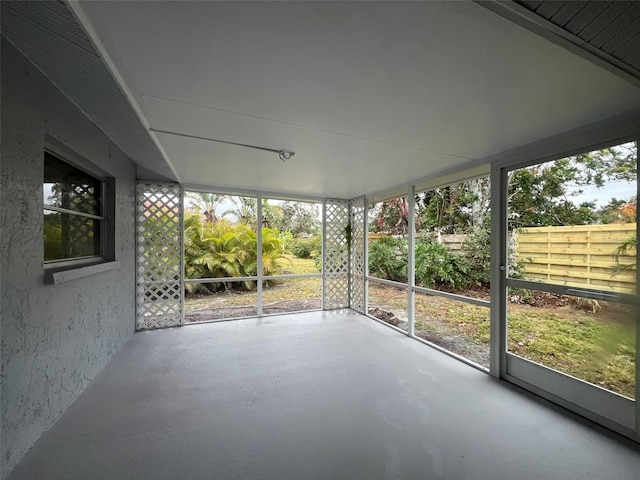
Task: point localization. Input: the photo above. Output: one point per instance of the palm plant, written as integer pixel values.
(195, 247)
(206, 204)
(272, 251)
(223, 250)
(244, 211)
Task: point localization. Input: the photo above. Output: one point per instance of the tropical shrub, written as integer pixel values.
(272, 251)
(388, 258)
(436, 264)
(476, 248)
(221, 249)
(287, 241)
(306, 247)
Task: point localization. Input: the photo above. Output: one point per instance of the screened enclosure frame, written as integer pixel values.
(346, 279)
(605, 407)
(561, 146)
(410, 286)
(260, 277)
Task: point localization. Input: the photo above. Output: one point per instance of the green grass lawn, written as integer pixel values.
(293, 264)
(294, 289)
(597, 347)
(273, 291)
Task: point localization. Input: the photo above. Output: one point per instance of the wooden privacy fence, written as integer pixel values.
(579, 256)
(453, 241)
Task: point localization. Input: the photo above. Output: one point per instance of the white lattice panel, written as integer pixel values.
(159, 292)
(358, 260)
(336, 254)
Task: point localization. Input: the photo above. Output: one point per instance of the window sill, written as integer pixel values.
(54, 276)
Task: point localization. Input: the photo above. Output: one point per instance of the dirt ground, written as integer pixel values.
(459, 345)
(530, 297)
(441, 336)
(282, 306)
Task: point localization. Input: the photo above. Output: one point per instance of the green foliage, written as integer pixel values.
(318, 262)
(618, 211)
(436, 264)
(272, 251)
(627, 247)
(299, 218)
(476, 248)
(541, 195)
(307, 247)
(545, 194)
(388, 258)
(52, 237)
(598, 350)
(220, 249)
(348, 231)
(272, 214)
(538, 196)
(287, 241)
(454, 209)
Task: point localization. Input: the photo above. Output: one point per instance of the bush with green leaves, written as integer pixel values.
(388, 258)
(436, 265)
(287, 241)
(221, 249)
(307, 247)
(476, 248)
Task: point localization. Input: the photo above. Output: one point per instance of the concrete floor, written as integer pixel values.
(318, 395)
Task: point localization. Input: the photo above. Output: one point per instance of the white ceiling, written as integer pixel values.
(369, 95)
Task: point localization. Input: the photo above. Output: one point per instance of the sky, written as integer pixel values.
(618, 190)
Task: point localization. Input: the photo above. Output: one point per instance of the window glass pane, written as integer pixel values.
(70, 236)
(68, 187)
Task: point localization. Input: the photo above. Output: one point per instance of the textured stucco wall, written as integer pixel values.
(55, 338)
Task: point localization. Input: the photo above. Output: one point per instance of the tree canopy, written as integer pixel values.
(547, 194)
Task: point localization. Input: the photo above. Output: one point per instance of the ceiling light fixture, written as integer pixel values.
(283, 154)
